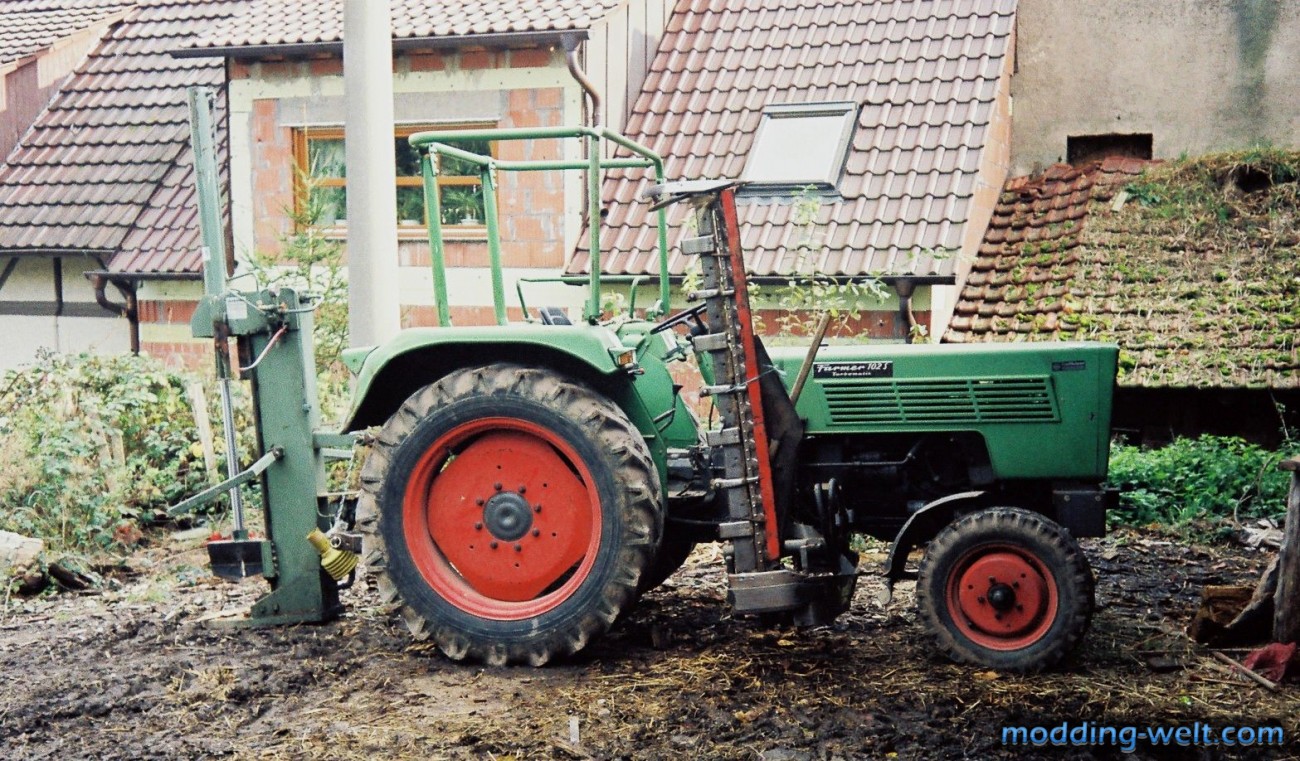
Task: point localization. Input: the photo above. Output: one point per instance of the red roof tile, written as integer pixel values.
(925, 73)
(31, 25)
(107, 166)
(1205, 309)
(305, 22)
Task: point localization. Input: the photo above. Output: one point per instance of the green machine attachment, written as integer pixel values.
(272, 331)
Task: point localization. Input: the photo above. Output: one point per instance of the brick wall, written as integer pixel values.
(273, 175)
(530, 204)
(165, 334)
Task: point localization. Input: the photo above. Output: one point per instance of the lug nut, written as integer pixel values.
(980, 600)
(478, 526)
(493, 545)
(537, 532)
(479, 502)
(537, 508)
(522, 488)
(519, 548)
(496, 486)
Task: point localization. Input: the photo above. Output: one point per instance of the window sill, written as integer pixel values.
(415, 232)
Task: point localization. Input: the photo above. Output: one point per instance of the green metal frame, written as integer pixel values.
(276, 328)
(431, 146)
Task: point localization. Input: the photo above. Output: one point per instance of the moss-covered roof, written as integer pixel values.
(1192, 266)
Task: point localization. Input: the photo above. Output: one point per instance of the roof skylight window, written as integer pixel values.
(801, 144)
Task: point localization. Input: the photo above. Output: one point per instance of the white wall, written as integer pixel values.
(30, 288)
(1198, 75)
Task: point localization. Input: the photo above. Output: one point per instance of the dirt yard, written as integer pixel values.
(136, 670)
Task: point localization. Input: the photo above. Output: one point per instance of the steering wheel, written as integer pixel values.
(692, 314)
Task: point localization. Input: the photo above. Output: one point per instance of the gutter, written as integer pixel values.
(335, 47)
(138, 276)
(98, 253)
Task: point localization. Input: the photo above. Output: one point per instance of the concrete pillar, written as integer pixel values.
(373, 309)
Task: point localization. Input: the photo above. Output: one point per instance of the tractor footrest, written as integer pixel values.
(814, 600)
(766, 591)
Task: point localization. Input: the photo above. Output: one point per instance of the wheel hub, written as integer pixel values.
(508, 516)
(1002, 599)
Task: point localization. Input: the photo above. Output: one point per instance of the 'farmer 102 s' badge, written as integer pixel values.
(833, 370)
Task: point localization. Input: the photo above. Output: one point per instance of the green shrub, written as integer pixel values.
(1211, 477)
(90, 447)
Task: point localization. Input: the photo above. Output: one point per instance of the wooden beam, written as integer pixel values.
(1286, 602)
(9, 270)
(53, 309)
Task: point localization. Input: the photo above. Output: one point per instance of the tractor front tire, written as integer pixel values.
(1007, 589)
(509, 513)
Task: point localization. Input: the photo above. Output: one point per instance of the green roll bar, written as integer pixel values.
(432, 147)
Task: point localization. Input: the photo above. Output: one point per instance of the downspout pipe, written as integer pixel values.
(570, 42)
(905, 287)
(594, 216)
(127, 309)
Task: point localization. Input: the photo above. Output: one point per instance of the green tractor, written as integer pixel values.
(530, 481)
(527, 482)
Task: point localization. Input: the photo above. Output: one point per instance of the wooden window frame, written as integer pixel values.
(301, 137)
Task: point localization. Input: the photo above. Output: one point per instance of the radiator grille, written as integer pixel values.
(923, 401)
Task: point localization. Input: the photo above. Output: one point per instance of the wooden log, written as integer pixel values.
(1286, 602)
(1241, 669)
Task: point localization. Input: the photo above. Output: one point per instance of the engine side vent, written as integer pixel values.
(868, 401)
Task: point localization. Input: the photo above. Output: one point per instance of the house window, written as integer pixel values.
(1082, 149)
(801, 144)
(321, 190)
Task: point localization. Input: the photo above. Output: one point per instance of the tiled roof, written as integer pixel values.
(926, 73)
(1066, 257)
(107, 166)
(320, 22)
(31, 25)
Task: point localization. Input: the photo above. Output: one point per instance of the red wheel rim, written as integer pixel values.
(1002, 597)
(502, 518)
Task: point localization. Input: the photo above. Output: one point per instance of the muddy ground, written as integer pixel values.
(133, 670)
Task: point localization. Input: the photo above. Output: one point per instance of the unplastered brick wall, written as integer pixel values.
(165, 331)
(505, 88)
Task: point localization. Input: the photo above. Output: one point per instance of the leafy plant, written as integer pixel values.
(311, 262)
(1206, 478)
(91, 447)
(811, 293)
(462, 204)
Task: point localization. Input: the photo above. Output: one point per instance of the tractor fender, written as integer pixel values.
(389, 374)
(922, 527)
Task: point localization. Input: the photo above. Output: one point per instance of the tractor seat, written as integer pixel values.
(553, 316)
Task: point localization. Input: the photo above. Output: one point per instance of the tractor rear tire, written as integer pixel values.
(1006, 589)
(672, 555)
(509, 514)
